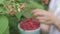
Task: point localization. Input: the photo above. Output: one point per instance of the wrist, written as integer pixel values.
(56, 21)
(53, 19)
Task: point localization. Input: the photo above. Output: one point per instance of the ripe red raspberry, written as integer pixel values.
(29, 24)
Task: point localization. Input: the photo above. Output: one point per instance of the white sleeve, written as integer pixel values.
(52, 4)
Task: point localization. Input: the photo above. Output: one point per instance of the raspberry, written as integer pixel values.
(29, 24)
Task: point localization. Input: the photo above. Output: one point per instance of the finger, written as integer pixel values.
(42, 18)
(49, 22)
(42, 21)
(38, 13)
(36, 10)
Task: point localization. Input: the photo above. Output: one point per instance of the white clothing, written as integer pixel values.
(55, 5)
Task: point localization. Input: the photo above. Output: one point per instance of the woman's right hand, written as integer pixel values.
(44, 27)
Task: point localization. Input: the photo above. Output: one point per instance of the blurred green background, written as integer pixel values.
(14, 11)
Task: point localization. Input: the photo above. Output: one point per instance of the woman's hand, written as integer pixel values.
(43, 16)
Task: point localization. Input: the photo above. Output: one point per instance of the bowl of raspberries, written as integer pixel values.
(29, 26)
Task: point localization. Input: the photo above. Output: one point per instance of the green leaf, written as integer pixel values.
(37, 5)
(3, 24)
(7, 2)
(21, 1)
(6, 31)
(13, 25)
(1, 7)
(18, 15)
(1, 1)
(3, 10)
(27, 13)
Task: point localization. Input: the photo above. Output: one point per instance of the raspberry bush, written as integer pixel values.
(13, 12)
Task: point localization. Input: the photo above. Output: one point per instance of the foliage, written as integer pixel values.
(3, 23)
(14, 11)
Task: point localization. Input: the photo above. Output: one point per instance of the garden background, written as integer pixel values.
(13, 12)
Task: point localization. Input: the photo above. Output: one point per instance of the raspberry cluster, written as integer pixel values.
(29, 24)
